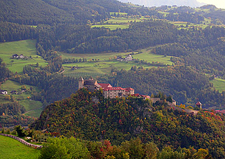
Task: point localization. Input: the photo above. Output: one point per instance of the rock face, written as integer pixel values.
(151, 3)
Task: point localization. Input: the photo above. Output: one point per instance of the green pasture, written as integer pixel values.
(146, 55)
(98, 68)
(100, 56)
(113, 13)
(107, 61)
(13, 149)
(25, 47)
(11, 85)
(164, 13)
(182, 25)
(112, 27)
(33, 108)
(119, 20)
(219, 84)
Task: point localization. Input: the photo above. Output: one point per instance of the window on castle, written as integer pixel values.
(119, 94)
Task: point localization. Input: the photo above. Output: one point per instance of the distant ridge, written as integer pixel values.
(152, 3)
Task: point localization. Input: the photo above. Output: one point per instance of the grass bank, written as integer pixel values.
(13, 149)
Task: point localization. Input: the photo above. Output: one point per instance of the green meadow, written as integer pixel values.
(13, 149)
(25, 47)
(120, 13)
(219, 84)
(122, 20)
(105, 62)
(112, 27)
(33, 108)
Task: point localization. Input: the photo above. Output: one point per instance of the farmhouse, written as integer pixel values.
(108, 90)
(21, 56)
(15, 56)
(3, 92)
(128, 58)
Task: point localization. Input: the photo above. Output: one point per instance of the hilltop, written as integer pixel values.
(121, 119)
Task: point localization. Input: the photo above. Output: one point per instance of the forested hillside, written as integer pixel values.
(121, 119)
(83, 39)
(192, 38)
(184, 84)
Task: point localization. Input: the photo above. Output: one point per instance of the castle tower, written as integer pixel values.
(81, 83)
(199, 104)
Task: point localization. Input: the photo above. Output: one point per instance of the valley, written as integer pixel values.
(171, 58)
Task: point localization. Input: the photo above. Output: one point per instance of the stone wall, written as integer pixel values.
(23, 141)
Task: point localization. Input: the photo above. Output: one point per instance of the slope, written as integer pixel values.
(32, 12)
(89, 116)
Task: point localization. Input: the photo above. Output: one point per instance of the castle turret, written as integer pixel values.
(81, 83)
(199, 105)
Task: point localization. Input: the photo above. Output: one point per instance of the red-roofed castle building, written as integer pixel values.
(108, 90)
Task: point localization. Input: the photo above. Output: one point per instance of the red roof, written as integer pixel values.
(198, 103)
(129, 89)
(136, 95)
(104, 85)
(114, 88)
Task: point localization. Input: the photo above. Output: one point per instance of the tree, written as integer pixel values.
(151, 150)
(64, 148)
(134, 147)
(23, 87)
(20, 131)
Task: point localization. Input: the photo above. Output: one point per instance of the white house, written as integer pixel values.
(128, 58)
(3, 92)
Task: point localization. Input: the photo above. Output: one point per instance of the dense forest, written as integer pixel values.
(183, 83)
(122, 119)
(83, 39)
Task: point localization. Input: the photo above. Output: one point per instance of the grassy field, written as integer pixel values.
(149, 57)
(25, 47)
(13, 149)
(122, 20)
(100, 56)
(113, 13)
(32, 107)
(219, 84)
(107, 61)
(112, 27)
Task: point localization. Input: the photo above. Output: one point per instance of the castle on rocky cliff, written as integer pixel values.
(108, 90)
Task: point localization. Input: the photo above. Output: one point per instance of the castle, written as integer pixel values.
(113, 92)
(108, 90)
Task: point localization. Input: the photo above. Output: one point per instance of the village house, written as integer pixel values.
(21, 56)
(16, 56)
(127, 58)
(3, 92)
